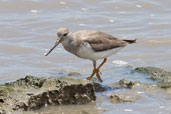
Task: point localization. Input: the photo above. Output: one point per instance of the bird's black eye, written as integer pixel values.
(65, 34)
(58, 34)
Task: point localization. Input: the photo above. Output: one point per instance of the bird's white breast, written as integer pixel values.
(87, 52)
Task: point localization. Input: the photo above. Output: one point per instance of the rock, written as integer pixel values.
(28, 82)
(163, 77)
(100, 88)
(2, 111)
(129, 91)
(123, 84)
(121, 98)
(32, 93)
(74, 74)
(131, 86)
(85, 112)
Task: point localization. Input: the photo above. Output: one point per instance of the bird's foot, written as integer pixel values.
(98, 75)
(95, 71)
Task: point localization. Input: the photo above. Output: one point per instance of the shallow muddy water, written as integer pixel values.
(28, 30)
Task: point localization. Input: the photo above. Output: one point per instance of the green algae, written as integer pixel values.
(27, 82)
(157, 74)
(74, 74)
(5, 90)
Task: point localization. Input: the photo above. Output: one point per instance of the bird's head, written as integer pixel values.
(62, 33)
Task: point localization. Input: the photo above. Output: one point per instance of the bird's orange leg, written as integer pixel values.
(94, 71)
(97, 70)
(98, 75)
(105, 59)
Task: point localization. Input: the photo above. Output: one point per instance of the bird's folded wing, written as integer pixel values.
(101, 41)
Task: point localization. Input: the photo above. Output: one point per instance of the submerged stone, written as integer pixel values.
(123, 84)
(100, 88)
(74, 74)
(163, 77)
(122, 98)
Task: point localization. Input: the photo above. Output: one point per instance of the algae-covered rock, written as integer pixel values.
(74, 74)
(122, 98)
(31, 93)
(5, 90)
(2, 111)
(163, 77)
(123, 84)
(27, 82)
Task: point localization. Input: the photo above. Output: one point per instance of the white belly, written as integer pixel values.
(87, 53)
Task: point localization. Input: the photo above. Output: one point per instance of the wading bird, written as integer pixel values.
(90, 44)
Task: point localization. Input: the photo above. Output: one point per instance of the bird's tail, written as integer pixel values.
(130, 41)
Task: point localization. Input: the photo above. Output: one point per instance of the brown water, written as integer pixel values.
(28, 30)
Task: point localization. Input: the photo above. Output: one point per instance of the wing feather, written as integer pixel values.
(100, 41)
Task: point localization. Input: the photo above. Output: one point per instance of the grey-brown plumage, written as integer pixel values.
(101, 41)
(90, 44)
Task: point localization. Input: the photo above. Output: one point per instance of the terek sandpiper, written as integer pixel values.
(90, 44)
